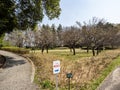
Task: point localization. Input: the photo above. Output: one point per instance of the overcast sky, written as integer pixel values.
(83, 10)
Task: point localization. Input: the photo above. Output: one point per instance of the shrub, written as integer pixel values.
(46, 84)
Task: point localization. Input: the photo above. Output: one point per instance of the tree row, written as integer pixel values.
(95, 35)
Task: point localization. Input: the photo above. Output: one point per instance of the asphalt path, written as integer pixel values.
(112, 82)
(16, 75)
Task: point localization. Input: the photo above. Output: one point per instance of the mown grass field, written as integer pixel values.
(88, 71)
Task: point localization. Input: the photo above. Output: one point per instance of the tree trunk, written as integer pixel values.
(93, 51)
(97, 50)
(73, 51)
(87, 49)
(33, 49)
(112, 46)
(70, 49)
(42, 49)
(47, 49)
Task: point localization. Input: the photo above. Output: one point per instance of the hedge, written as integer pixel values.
(16, 50)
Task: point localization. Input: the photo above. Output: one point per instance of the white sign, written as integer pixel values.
(56, 67)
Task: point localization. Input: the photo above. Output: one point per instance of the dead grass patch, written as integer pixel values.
(84, 69)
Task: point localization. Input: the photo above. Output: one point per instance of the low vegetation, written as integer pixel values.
(16, 50)
(114, 64)
(88, 71)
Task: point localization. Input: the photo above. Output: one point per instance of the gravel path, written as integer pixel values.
(17, 73)
(112, 82)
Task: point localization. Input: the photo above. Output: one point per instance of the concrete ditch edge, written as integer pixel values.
(98, 88)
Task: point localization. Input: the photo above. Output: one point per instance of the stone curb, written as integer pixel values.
(33, 67)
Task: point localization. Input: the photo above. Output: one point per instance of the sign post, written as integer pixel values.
(56, 70)
(69, 75)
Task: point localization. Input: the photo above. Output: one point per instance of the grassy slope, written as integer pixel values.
(88, 71)
(113, 65)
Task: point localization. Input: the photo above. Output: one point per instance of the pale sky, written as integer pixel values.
(83, 10)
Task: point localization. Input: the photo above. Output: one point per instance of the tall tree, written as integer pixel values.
(29, 12)
(7, 16)
(22, 14)
(59, 36)
(54, 36)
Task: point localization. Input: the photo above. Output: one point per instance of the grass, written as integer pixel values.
(88, 71)
(70, 56)
(67, 55)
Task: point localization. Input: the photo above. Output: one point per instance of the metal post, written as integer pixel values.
(69, 84)
(56, 81)
(69, 76)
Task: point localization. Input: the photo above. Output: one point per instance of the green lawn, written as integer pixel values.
(69, 55)
(66, 54)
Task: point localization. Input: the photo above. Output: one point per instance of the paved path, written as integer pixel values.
(112, 82)
(17, 73)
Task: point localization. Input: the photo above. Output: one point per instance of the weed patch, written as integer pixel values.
(88, 71)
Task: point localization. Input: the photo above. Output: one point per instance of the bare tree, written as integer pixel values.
(111, 34)
(92, 34)
(86, 37)
(46, 38)
(97, 34)
(71, 37)
(15, 38)
(29, 38)
(37, 35)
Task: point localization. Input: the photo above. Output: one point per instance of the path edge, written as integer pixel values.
(33, 68)
(98, 88)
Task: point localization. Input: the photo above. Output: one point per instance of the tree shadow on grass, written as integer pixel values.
(10, 62)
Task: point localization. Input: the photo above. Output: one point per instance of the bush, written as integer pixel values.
(46, 84)
(16, 50)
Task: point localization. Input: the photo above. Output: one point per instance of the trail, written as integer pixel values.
(17, 73)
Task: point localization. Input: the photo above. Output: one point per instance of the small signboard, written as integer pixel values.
(56, 67)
